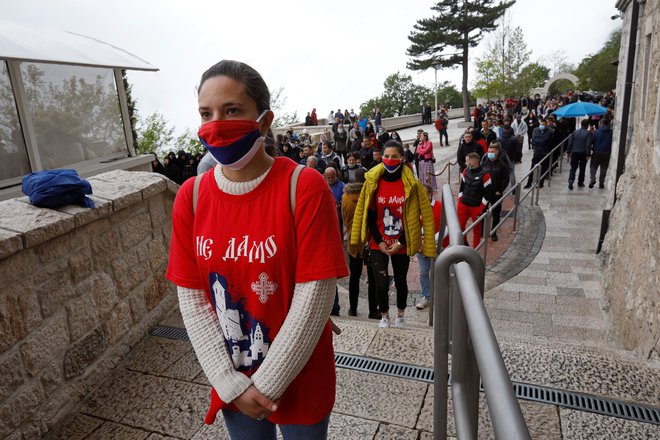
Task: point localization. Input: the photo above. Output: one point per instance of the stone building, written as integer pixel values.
(630, 249)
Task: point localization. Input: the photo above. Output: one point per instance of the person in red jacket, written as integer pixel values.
(473, 195)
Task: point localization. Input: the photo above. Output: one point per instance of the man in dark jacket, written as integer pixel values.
(600, 153)
(494, 164)
(473, 195)
(541, 141)
(579, 151)
(466, 147)
(509, 144)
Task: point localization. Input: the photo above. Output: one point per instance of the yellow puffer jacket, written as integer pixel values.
(416, 204)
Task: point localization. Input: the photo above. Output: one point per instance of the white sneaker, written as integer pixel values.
(422, 303)
(384, 322)
(399, 322)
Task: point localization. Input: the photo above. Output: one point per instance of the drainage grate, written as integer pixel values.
(179, 334)
(535, 393)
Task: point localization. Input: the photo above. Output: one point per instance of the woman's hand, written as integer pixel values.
(382, 246)
(254, 404)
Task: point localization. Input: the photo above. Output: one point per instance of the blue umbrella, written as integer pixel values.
(578, 109)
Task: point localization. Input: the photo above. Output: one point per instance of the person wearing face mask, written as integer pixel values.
(341, 137)
(349, 170)
(426, 161)
(499, 167)
(254, 308)
(473, 195)
(541, 140)
(387, 215)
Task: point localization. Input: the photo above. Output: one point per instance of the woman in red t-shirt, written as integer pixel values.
(256, 312)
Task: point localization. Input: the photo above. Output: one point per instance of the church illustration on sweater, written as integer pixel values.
(393, 225)
(247, 338)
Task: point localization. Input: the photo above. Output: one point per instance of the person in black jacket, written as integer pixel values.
(499, 171)
(466, 147)
(509, 144)
(541, 140)
(473, 195)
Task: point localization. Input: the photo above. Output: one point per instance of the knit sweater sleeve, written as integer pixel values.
(297, 338)
(208, 341)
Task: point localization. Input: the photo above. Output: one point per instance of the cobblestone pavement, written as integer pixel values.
(543, 299)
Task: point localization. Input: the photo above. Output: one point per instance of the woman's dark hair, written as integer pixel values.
(394, 144)
(359, 175)
(255, 86)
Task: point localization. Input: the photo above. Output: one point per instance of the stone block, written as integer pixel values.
(105, 249)
(135, 230)
(20, 407)
(345, 427)
(49, 271)
(11, 374)
(10, 243)
(121, 194)
(155, 290)
(18, 267)
(159, 215)
(37, 224)
(129, 271)
(114, 430)
(118, 323)
(52, 376)
(19, 314)
(82, 316)
(75, 427)
(55, 249)
(101, 289)
(45, 344)
(84, 352)
(138, 307)
(81, 264)
(83, 216)
(56, 292)
(157, 252)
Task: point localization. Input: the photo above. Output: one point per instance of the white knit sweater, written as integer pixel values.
(290, 350)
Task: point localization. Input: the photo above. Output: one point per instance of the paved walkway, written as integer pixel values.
(544, 317)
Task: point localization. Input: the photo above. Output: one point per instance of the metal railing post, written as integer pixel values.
(515, 206)
(537, 183)
(488, 226)
(561, 155)
(550, 164)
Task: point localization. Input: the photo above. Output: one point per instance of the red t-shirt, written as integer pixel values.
(389, 206)
(247, 253)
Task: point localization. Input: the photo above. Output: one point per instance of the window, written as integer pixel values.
(75, 113)
(13, 154)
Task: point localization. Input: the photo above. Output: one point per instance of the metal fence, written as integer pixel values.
(458, 280)
(519, 194)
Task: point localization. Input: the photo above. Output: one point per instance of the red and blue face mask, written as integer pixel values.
(232, 142)
(391, 165)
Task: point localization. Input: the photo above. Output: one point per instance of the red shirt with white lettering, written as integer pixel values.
(389, 206)
(247, 253)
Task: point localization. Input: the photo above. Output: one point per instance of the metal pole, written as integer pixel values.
(537, 178)
(488, 225)
(550, 163)
(507, 418)
(435, 95)
(561, 156)
(516, 203)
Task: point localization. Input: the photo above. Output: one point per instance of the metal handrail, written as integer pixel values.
(519, 197)
(474, 347)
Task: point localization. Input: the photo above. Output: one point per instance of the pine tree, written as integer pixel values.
(459, 25)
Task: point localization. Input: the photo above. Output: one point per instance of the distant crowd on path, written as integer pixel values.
(486, 155)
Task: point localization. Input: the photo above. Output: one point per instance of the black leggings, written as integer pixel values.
(400, 264)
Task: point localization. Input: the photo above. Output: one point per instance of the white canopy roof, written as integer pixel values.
(46, 45)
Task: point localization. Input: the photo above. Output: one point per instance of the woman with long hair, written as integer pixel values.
(387, 215)
(426, 160)
(255, 310)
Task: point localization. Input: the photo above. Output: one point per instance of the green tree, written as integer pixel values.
(449, 94)
(400, 97)
(596, 72)
(499, 69)
(189, 142)
(531, 76)
(459, 25)
(154, 134)
(132, 106)
(277, 103)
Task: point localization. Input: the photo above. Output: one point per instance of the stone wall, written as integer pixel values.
(630, 251)
(80, 288)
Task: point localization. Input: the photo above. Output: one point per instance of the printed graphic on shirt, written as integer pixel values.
(393, 225)
(247, 338)
(263, 287)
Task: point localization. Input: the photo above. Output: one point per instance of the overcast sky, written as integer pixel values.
(324, 54)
